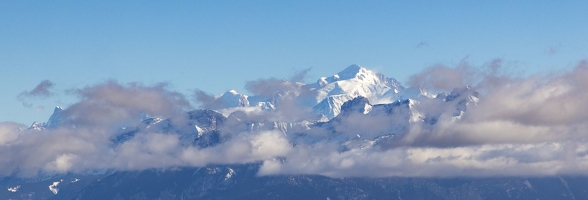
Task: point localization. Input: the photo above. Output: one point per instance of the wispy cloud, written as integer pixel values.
(300, 75)
(205, 100)
(443, 78)
(42, 90)
(552, 50)
(422, 45)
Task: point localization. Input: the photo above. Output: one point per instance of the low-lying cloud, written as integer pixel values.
(518, 126)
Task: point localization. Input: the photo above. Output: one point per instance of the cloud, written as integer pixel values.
(9, 132)
(292, 100)
(245, 148)
(84, 141)
(42, 90)
(269, 88)
(540, 159)
(442, 78)
(300, 75)
(540, 100)
(111, 103)
(552, 50)
(205, 100)
(521, 126)
(422, 45)
(537, 108)
(501, 125)
(82, 136)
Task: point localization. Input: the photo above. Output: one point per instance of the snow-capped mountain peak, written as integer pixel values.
(356, 81)
(359, 74)
(353, 81)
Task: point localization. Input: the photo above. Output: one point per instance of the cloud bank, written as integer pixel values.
(518, 126)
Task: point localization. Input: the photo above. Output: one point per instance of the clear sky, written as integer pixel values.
(219, 45)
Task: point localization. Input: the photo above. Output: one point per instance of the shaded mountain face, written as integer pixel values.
(242, 182)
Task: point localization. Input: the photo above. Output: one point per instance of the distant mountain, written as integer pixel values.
(241, 182)
(342, 100)
(352, 95)
(356, 81)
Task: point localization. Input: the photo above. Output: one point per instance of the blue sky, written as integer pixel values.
(216, 46)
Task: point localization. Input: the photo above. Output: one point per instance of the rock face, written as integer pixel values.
(57, 118)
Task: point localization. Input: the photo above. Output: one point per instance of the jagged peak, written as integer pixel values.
(37, 126)
(57, 118)
(57, 109)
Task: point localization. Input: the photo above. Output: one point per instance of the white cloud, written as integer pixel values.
(478, 160)
(9, 132)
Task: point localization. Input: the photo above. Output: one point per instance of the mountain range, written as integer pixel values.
(354, 110)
